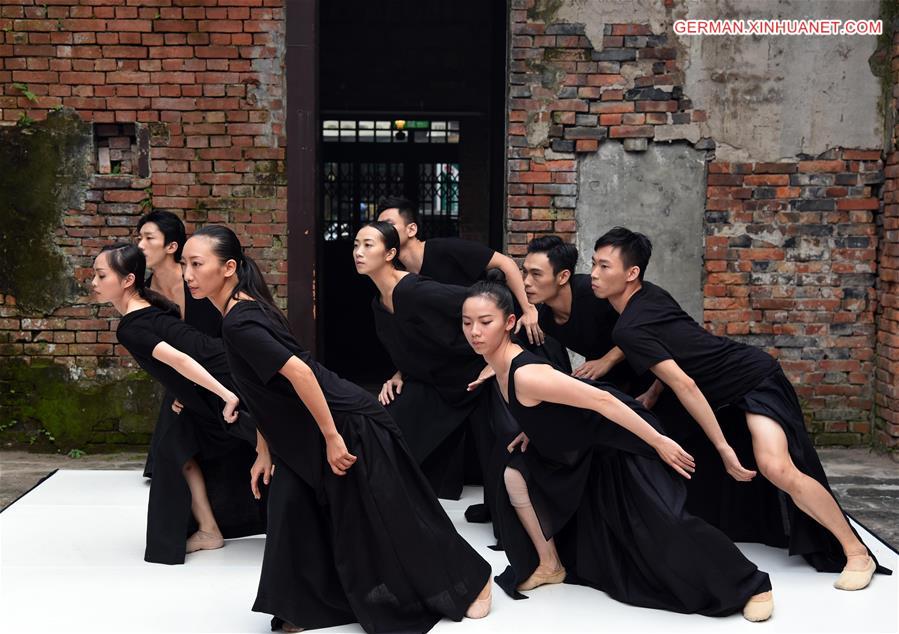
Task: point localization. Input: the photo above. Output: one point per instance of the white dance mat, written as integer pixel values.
(71, 560)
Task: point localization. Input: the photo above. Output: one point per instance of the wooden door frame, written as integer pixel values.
(302, 169)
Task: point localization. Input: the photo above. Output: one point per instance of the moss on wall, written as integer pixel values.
(44, 170)
(42, 408)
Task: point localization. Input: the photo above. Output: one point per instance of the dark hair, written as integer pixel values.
(562, 255)
(171, 227)
(250, 282)
(125, 258)
(404, 206)
(390, 236)
(495, 288)
(635, 248)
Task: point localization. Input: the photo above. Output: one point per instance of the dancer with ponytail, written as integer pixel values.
(355, 532)
(160, 237)
(593, 491)
(417, 321)
(200, 466)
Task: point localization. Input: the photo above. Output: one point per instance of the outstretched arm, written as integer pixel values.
(529, 318)
(307, 388)
(189, 368)
(695, 402)
(543, 383)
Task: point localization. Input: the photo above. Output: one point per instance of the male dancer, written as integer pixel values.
(572, 314)
(707, 372)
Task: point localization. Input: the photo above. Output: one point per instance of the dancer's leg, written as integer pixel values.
(550, 569)
(208, 537)
(769, 444)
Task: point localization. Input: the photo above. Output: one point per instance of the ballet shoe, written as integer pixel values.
(201, 540)
(856, 579)
(542, 578)
(757, 610)
(480, 607)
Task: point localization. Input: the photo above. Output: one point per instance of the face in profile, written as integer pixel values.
(540, 283)
(151, 241)
(370, 254)
(204, 273)
(106, 284)
(394, 217)
(609, 275)
(484, 324)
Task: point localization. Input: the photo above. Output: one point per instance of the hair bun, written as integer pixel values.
(497, 276)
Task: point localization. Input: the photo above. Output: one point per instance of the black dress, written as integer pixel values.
(225, 452)
(735, 378)
(435, 411)
(205, 317)
(617, 514)
(588, 332)
(373, 546)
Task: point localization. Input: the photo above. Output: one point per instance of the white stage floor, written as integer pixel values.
(71, 560)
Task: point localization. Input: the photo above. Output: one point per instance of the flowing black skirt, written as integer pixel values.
(628, 536)
(225, 455)
(756, 511)
(373, 547)
(450, 441)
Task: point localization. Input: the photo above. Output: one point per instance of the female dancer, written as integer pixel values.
(161, 237)
(355, 532)
(594, 502)
(182, 358)
(417, 321)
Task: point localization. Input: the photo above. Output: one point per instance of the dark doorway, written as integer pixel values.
(412, 102)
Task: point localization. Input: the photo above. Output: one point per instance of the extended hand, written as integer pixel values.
(230, 413)
(592, 369)
(387, 391)
(262, 467)
(733, 466)
(521, 439)
(338, 457)
(486, 373)
(674, 456)
(529, 321)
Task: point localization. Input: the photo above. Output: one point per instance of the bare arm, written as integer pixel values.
(515, 282)
(307, 388)
(536, 383)
(695, 402)
(189, 368)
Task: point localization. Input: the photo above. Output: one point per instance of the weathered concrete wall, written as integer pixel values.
(767, 97)
(659, 192)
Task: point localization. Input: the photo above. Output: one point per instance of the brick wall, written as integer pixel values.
(887, 372)
(791, 247)
(565, 98)
(791, 267)
(187, 106)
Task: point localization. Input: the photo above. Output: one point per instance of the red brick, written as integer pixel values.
(821, 166)
(625, 131)
(858, 203)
